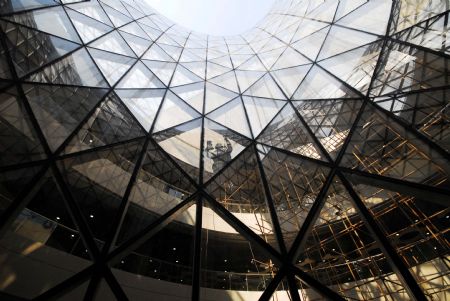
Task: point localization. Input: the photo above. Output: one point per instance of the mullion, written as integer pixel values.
(91, 112)
(391, 254)
(311, 218)
(197, 262)
(70, 204)
(201, 194)
(270, 204)
(145, 234)
(273, 284)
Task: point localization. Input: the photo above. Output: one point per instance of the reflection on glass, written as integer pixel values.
(220, 153)
(129, 116)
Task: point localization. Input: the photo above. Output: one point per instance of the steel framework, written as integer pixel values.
(338, 121)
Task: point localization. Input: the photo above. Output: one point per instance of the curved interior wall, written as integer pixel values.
(306, 158)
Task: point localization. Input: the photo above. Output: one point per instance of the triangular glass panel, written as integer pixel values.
(192, 94)
(142, 103)
(164, 70)
(247, 78)
(155, 53)
(60, 25)
(224, 61)
(381, 146)
(134, 29)
(239, 59)
(198, 68)
(88, 28)
(19, 139)
(166, 39)
(238, 188)
(59, 109)
(17, 6)
(183, 76)
(408, 68)
(289, 79)
(194, 43)
(325, 11)
(265, 87)
(216, 96)
(311, 45)
(182, 143)
(174, 111)
(329, 120)
(372, 17)
(319, 85)
(173, 51)
(261, 111)
(307, 27)
(252, 64)
(221, 146)
(213, 70)
(341, 39)
(230, 261)
(75, 69)
(232, 115)
(24, 46)
(425, 111)
(116, 4)
(290, 58)
(98, 180)
(346, 7)
(159, 186)
(410, 14)
(150, 28)
(227, 81)
(152, 32)
(113, 42)
(140, 77)
(113, 66)
(415, 227)
(133, 10)
(153, 263)
(159, 22)
(355, 67)
(91, 9)
(139, 45)
(294, 184)
(116, 17)
(341, 253)
(286, 131)
(286, 34)
(42, 237)
(270, 57)
(110, 123)
(430, 34)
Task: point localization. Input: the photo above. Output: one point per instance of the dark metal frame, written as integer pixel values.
(105, 258)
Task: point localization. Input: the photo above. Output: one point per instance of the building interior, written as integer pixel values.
(304, 159)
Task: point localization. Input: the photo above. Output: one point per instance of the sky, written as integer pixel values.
(214, 17)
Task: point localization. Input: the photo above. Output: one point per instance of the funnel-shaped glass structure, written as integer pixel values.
(305, 159)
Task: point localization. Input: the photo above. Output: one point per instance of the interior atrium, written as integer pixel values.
(304, 159)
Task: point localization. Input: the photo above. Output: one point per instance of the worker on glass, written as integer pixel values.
(220, 154)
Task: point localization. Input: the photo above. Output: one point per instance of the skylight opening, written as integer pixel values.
(214, 17)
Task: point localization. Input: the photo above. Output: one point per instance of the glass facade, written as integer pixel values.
(305, 159)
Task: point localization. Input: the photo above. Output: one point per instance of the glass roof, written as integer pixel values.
(305, 158)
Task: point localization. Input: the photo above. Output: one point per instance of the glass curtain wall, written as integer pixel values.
(305, 159)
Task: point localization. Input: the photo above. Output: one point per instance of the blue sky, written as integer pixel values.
(214, 17)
